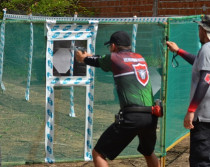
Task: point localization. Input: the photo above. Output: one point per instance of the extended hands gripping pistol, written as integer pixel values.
(79, 48)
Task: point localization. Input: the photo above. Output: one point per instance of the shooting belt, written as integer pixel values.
(137, 109)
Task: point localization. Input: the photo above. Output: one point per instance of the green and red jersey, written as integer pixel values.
(131, 77)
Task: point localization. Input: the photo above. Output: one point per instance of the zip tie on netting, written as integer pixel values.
(30, 61)
(135, 27)
(72, 112)
(2, 50)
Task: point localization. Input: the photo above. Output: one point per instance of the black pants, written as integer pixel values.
(200, 145)
(113, 141)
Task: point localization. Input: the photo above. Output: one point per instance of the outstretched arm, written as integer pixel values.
(200, 92)
(88, 59)
(173, 47)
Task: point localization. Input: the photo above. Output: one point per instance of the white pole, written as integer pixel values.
(90, 71)
(72, 112)
(135, 27)
(49, 124)
(30, 62)
(2, 50)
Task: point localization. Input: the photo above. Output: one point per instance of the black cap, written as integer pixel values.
(119, 38)
(205, 22)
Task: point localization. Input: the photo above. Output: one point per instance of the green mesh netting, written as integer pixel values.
(22, 123)
(185, 33)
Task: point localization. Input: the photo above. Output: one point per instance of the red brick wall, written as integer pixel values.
(184, 7)
(141, 8)
(119, 8)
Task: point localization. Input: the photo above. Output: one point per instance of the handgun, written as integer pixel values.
(80, 48)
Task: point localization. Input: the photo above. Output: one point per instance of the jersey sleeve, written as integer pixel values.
(187, 56)
(92, 61)
(204, 59)
(105, 63)
(200, 91)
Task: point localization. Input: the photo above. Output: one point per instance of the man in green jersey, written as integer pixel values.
(134, 90)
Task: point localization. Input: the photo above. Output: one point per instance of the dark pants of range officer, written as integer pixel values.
(200, 144)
